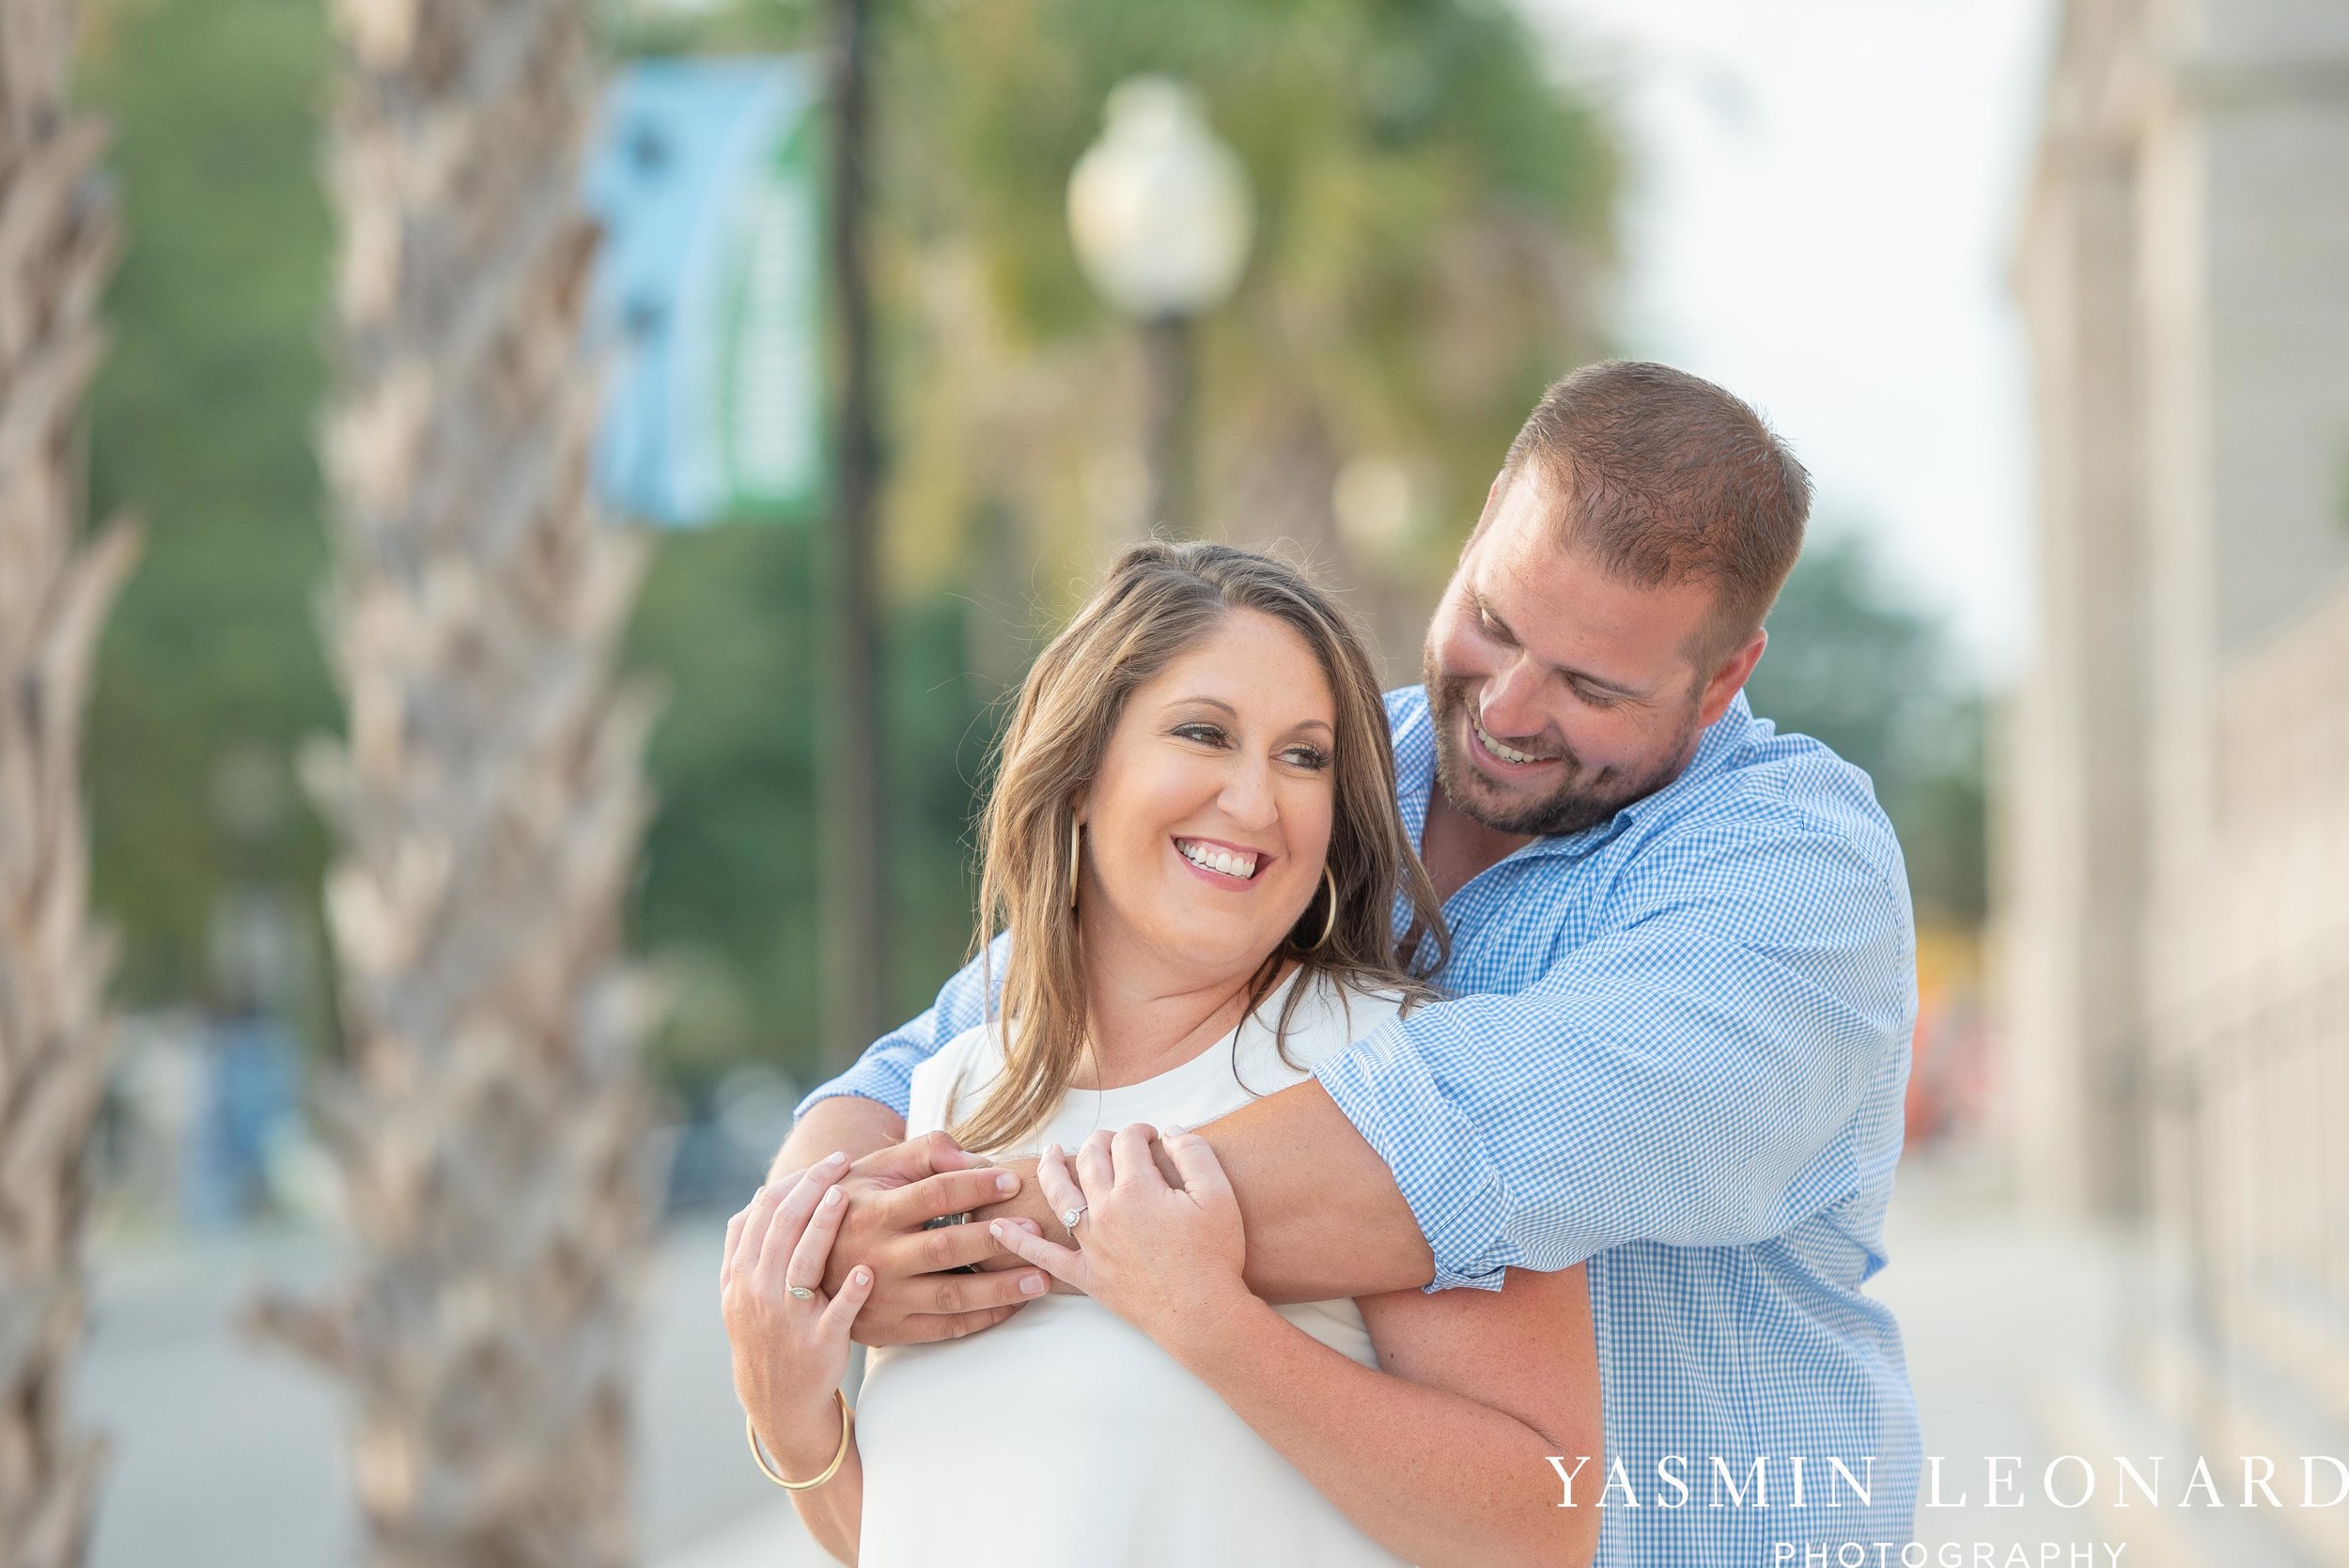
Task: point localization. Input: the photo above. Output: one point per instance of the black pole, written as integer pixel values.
(1168, 395)
(850, 809)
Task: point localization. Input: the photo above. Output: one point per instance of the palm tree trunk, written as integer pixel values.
(56, 245)
(489, 1125)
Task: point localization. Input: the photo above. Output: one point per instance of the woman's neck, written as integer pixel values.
(1144, 1020)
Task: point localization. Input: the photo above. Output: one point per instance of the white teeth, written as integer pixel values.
(1207, 855)
(1506, 754)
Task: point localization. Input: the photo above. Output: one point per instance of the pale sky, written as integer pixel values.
(1823, 195)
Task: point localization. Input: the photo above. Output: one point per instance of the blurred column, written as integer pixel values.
(2076, 809)
(2175, 806)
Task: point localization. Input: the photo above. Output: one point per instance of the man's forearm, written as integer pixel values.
(848, 1123)
(1324, 1218)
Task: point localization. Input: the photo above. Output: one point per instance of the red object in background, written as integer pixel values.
(1949, 1062)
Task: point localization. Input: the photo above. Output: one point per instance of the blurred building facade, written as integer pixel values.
(2172, 898)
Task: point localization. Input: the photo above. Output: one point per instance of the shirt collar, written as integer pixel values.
(1413, 737)
(1414, 740)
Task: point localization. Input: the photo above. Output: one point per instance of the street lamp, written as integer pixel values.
(1159, 209)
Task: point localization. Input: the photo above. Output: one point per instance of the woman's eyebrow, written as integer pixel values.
(1226, 708)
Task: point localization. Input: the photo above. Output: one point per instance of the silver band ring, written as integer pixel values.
(1069, 1216)
(801, 1292)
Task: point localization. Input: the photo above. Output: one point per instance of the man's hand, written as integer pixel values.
(915, 1299)
(1323, 1215)
(1165, 1256)
(843, 1124)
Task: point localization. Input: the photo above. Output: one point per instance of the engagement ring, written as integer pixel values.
(1069, 1217)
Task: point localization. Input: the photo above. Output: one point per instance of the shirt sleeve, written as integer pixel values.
(1690, 1075)
(885, 1071)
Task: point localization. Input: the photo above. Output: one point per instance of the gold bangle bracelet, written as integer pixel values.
(848, 1430)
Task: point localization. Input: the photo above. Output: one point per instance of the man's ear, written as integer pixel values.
(1730, 678)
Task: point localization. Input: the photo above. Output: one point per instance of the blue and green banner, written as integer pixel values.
(706, 175)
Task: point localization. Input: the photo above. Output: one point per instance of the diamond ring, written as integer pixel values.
(1069, 1216)
(801, 1292)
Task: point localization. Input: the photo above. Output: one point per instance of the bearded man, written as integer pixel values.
(1675, 1036)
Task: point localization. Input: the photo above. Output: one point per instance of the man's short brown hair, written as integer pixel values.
(1665, 477)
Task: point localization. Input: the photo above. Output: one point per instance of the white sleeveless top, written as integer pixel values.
(1064, 1438)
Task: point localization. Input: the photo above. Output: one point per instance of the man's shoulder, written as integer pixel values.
(1805, 779)
(1405, 706)
(1769, 790)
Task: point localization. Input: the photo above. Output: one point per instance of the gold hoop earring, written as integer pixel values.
(1329, 922)
(1075, 857)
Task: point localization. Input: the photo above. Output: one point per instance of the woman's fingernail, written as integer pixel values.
(837, 1156)
(1032, 1285)
(1000, 1230)
(1006, 1184)
(1027, 1225)
(832, 1197)
(860, 1274)
(760, 1193)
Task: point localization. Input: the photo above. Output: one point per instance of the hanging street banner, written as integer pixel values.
(707, 303)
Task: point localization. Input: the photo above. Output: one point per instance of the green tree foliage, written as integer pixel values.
(1851, 664)
(727, 900)
(1430, 205)
(1431, 208)
(201, 423)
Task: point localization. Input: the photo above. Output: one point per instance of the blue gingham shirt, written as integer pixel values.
(1676, 1047)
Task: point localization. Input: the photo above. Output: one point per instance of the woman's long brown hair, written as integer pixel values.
(1159, 600)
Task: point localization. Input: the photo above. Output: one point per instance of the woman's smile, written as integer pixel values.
(1228, 866)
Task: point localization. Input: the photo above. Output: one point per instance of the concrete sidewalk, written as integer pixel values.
(2011, 1323)
(227, 1453)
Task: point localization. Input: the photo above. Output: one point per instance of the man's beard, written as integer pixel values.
(1584, 800)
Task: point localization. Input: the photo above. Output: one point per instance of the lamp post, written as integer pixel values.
(850, 866)
(1160, 211)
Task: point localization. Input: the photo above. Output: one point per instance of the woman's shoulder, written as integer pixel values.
(962, 1065)
(1364, 1007)
(1332, 1012)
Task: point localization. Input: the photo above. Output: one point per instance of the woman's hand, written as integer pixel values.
(1166, 1259)
(790, 1350)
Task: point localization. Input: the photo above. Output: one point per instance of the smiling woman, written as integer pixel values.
(1204, 831)
(1195, 862)
(1206, 739)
